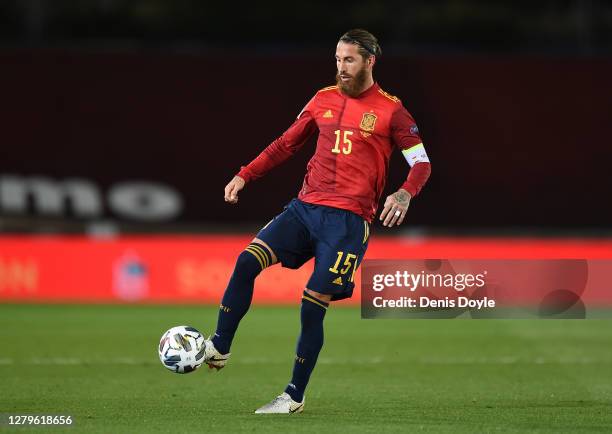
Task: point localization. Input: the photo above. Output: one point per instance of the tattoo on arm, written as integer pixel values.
(401, 197)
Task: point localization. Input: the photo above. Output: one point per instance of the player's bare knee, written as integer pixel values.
(323, 297)
(263, 243)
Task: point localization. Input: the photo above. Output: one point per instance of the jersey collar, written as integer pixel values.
(369, 91)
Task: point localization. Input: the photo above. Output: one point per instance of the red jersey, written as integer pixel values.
(356, 138)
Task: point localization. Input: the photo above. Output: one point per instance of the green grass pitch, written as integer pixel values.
(99, 364)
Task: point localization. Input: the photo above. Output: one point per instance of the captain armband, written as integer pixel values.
(415, 154)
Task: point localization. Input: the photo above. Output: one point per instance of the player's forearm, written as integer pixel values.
(280, 149)
(417, 178)
(270, 157)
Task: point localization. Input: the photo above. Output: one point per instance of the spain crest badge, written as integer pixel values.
(368, 121)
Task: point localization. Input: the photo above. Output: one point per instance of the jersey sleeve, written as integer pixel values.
(404, 131)
(309, 107)
(405, 135)
(283, 147)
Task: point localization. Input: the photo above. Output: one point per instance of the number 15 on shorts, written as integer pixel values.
(350, 261)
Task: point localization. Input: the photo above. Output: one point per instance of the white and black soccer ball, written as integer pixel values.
(181, 349)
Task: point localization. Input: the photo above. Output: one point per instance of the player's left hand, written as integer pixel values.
(395, 208)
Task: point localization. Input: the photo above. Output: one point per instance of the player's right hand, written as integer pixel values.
(232, 189)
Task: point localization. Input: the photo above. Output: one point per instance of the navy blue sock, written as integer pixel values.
(309, 345)
(239, 293)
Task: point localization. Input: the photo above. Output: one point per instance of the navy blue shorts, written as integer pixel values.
(336, 238)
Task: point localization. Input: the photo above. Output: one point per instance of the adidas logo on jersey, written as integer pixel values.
(328, 114)
(338, 281)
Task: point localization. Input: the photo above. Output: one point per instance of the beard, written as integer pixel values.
(355, 85)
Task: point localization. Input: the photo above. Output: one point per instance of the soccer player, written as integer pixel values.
(358, 126)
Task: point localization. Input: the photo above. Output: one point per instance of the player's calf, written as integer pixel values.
(238, 295)
(309, 344)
